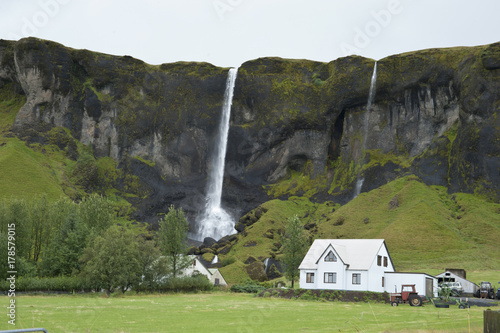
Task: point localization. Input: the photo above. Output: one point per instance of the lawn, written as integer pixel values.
(226, 312)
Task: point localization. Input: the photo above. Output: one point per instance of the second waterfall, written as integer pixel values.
(371, 98)
(215, 222)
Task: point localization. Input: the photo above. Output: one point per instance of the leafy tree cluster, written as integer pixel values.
(50, 236)
(68, 239)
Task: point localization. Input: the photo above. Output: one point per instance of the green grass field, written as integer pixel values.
(226, 312)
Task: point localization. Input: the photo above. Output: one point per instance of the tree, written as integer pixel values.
(66, 247)
(155, 267)
(172, 236)
(40, 219)
(96, 212)
(113, 260)
(294, 246)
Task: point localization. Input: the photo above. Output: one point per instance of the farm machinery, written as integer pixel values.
(408, 294)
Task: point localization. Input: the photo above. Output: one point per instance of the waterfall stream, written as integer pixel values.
(215, 222)
(371, 98)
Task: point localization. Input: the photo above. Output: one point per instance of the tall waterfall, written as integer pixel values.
(371, 97)
(215, 222)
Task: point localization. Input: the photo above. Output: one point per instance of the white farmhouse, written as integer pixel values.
(346, 264)
(359, 265)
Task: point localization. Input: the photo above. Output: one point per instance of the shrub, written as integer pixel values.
(308, 296)
(178, 284)
(247, 287)
(340, 221)
(228, 261)
(51, 284)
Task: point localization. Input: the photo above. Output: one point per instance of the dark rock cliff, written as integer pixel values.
(435, 114)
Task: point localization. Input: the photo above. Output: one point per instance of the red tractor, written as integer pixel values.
(408, 294)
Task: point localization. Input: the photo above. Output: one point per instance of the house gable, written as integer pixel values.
(382, 259)
(330, 250)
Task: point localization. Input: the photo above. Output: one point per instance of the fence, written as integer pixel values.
(491, 321)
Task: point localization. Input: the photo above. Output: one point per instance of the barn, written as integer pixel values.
(454, 275)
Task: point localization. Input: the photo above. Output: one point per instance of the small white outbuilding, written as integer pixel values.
(425, 284)
(213, 274)
(469, 287)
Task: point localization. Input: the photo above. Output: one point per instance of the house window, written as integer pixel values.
(379, 260)
(385, 261)
(330, 257)
(217, 281)
(356, 278)
(194, 262)
(330, 277)
(310, 278)
(383, 282)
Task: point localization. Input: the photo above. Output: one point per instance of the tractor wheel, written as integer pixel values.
(415, 300)
(394, 303)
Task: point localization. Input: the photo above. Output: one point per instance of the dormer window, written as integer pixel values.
(330, 257)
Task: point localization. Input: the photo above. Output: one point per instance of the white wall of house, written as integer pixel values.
(337, 267)
(303, 283)
(357, 280)
(381, 264)
(216, 278)
(196, 265)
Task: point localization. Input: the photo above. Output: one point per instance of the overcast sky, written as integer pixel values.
(229, 32)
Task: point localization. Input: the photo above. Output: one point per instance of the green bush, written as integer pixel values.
(248, 287)
(178, 284)
(308, 296)
(228, 261)
(51, 284)
(78, 284)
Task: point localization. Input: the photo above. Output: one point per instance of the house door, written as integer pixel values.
(429, 287)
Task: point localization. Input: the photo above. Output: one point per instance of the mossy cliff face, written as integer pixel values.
(435, 114)
(125, 109)
(297, 127)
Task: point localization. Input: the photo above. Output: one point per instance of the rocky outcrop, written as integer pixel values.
(435, 114)
(126, 109)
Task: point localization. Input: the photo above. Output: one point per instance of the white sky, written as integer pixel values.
(229, 32)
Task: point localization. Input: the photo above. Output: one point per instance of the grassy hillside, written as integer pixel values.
(60, 166)
(424, 227)
(24, 172)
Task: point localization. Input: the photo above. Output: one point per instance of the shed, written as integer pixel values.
(425, 284)
(449, 276)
